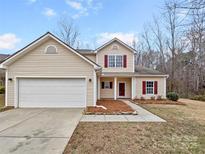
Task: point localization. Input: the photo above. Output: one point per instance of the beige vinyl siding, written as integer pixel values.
(90, 56)
(107, 93)
(161, 87)
(62, 64)
(127, 86)
(121, 50)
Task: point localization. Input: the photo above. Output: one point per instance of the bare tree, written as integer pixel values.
(68, 32)
(175, 44)
(174, 37)
(159, 41)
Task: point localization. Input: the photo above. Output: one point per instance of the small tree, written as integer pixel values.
(68, 32)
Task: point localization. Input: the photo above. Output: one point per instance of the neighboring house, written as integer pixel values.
(2, 71)
(49, 73)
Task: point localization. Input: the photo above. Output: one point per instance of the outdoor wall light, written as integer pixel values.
(90, 80)
(10, 79)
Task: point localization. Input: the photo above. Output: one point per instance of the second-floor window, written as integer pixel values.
(115, 60)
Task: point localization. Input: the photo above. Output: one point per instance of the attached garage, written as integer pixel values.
(49, 73)
(41, 92)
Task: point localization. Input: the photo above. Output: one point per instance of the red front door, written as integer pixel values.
(121, 89)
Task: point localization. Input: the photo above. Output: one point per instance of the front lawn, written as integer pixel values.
(184, 132)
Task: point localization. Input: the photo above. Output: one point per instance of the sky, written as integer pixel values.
(22, 21)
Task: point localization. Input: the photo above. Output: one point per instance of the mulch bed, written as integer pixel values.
(113, 107)
(164, 101)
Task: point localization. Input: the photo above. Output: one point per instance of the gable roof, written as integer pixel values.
(3, 57)
(147, 71)
(47, 35)
(86, 51)
(117, 40)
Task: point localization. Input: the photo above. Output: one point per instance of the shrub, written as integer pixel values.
(142, 98)
(152, 98)
(172, 96)
(199, 97)
(159, 97)
(2, 90)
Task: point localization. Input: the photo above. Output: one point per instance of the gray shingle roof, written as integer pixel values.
(85, 51)
(3, 56)
(146, 71)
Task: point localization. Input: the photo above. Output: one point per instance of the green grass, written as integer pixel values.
(1, 100)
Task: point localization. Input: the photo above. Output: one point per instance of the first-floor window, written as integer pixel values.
(149, 87)
(106, 85)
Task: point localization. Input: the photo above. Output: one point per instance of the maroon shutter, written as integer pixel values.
(125, 61)
(155, 87)
(105, 61)
(143, 87)
(110, 85)
(102, 85)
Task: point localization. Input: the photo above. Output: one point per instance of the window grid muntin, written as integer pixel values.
(119, 60)
(111, 60)
(115, 60)
(149, 87)
(106, 85)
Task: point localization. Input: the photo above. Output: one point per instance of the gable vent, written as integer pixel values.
(51, 50)
(115, 47)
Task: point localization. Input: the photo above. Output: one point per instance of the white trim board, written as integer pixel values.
(94, 88)
(117, 40)
(6, 88)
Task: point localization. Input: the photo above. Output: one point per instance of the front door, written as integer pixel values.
(121, 89)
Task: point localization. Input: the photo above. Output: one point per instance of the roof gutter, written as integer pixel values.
(149, 75)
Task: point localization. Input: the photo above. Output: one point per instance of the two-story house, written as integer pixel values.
(49, 73)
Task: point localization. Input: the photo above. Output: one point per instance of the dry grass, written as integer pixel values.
(1, 100)
(2, 104)
(184, 132)
(113, 106)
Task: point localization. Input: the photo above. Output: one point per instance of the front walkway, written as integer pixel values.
(143, 116)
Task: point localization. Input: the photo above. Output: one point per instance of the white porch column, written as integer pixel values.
(165, 87)
(98, 87)
(115, 88)
(133, 87)
(6, 88)
(94, 88)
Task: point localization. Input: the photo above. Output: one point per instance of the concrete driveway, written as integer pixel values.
(32, 131)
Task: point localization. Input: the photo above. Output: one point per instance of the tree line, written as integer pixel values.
(174, 44)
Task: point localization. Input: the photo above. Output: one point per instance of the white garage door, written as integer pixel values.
(52, 92)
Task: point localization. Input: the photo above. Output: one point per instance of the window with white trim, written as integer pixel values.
(115, 60)
(106, 85)
(149, 87)
(119, 60)
(111, 60)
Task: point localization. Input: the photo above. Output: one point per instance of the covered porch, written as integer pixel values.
(117, 87)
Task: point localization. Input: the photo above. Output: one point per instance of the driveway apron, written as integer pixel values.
(35, 131)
